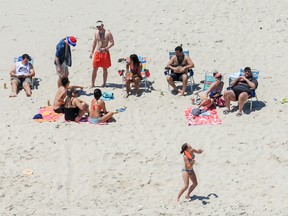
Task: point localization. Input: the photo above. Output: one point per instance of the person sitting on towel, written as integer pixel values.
(59, 101)
(98, 112)
(74, 108)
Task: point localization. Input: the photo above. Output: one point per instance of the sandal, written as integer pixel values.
(225, 112)
(239, 114)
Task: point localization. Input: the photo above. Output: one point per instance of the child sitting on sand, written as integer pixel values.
(188, 172)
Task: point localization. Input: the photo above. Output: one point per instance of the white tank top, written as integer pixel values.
(22, 69)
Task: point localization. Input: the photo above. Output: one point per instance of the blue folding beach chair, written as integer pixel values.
(190, 71)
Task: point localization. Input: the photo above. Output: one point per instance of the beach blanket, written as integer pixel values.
(48, 115)
(213, 118)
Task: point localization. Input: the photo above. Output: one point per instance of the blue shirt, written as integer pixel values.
(60, 51)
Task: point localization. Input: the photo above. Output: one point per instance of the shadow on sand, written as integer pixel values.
(204, 199)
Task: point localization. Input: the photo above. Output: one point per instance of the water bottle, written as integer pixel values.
(193, 100)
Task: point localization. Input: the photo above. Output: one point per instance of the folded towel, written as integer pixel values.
(212, 118)
(107, 96)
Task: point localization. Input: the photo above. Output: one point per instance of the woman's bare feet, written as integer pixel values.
(13, 95)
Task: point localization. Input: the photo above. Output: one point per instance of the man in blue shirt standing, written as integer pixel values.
(63, 57)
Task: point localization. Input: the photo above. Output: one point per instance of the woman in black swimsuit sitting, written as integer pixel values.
(74, 108)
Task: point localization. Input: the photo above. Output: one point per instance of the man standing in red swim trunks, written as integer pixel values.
(103, 41)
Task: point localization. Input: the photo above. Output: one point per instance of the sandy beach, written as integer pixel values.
(133, 166)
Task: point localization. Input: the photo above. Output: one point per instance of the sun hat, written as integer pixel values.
(71, 40)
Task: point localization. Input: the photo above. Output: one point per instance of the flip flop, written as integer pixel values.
(239, 114)
(225, 112)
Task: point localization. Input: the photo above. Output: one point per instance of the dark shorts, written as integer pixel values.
(177, 76)
(237, 91)
(59, 110)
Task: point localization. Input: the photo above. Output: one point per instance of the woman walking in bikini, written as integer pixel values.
(187, 171)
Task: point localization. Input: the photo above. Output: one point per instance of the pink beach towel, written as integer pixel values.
(202, 120)
(48, 115)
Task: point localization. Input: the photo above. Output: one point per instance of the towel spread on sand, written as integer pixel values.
(48, 115)
(213, 118)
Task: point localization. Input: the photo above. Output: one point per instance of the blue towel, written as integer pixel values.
(106, 96)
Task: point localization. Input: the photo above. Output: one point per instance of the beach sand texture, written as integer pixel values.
(133, 166)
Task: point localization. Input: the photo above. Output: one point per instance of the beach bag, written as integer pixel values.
(197, 111)
(220, 101)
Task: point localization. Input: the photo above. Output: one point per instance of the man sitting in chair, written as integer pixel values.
(21, 74)
(241, 90)
(179, 65)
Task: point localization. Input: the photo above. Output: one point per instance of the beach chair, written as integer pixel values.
(255, 73)
(190, 71)
(145, 73)
(208, 80)
(17, 59)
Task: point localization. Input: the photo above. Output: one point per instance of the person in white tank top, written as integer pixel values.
(21, 74)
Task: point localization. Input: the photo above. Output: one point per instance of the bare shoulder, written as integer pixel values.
(173, 58)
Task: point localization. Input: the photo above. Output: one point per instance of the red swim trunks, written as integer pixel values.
(101, 59)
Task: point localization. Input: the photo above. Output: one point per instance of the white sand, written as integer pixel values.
(132, 166)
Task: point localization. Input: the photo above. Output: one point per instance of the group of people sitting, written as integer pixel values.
(74, 109)
(240, 88)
